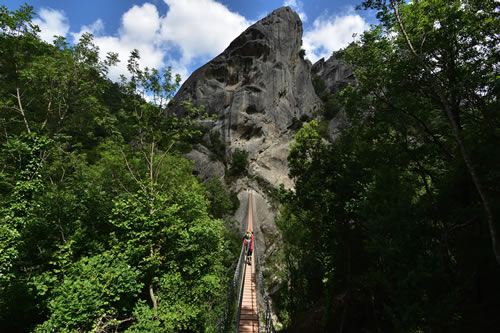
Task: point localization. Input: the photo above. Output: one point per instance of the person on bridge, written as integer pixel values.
(248, 242)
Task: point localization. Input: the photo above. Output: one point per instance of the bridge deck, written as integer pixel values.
(248, 316)
(249, 320)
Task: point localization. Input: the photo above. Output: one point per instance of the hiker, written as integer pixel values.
(250, 248)
(248, 242)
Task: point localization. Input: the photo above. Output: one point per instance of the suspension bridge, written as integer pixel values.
(247, 306)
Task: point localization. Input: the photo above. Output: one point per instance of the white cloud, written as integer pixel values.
(178, 68)
(52, 22)
(331, 33)
(194, 30)
(96, 29)
(141, 24)
(189, 32)
(298, 7)
(140, 29)
(200, 28)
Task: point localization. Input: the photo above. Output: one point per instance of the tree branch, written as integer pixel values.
(426, 129)
(132, 172)
(21, 111)
(153, 299)
(162, 157)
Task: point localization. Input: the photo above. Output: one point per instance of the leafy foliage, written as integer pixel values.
(386, 229)
(93, 290)
(331, 106)
(217, 147)
(222, 203)
(239, 162)
(102, 224)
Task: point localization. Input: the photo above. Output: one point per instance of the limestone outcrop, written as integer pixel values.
(259, 91)
(336, 76)
(335, 73)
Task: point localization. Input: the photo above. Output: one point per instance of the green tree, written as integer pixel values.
(26, 154)
(55, 76)
(18, 38)
(222, 203)
(178, 248)
(453, 46)
(163, 226)
(331, 105)
(217, 147)
(390, 212)
(93, 294)
(102, 224)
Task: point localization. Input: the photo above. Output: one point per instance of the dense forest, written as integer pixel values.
(103, 226)
(393, 226)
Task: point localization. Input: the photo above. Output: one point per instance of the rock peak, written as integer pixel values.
(260, 90)
(285, 12)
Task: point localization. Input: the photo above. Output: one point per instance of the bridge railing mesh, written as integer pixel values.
(229, 318)
(265, 313)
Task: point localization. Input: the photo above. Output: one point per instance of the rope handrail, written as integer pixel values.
(235, 290)
(234, 297)
(240, 292)
(228, 316)
(268, 318)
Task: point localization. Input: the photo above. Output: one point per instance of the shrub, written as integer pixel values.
(222, 203)
(239, 162)
(217, 147)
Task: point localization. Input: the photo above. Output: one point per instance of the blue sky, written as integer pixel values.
(185, 34)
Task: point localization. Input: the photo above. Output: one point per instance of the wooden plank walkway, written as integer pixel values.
(249, 321)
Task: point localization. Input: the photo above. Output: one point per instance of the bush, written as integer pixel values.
(323, 129)
(319, 85)
(235, 201)
(98, 287)
(239, 163)
(217, 147)
(330, 106)
(222, 203)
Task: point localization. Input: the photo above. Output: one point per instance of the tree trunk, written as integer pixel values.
(153, 299)
(151, 291)
(21, 111)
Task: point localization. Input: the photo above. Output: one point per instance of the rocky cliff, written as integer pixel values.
(259, 90)
(336, 76)
(334, 72)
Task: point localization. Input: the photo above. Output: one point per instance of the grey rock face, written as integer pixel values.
(264, 225)
(334, 72)
(337, 76)
(205, 166)
(258, 88)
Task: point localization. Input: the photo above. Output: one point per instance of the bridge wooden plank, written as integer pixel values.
(248, 321)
